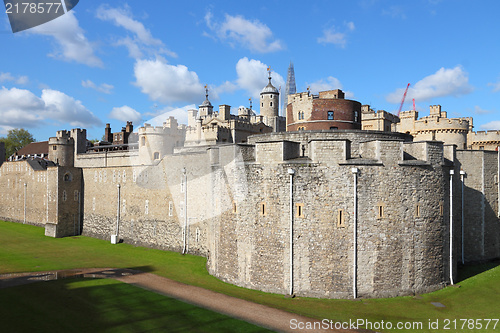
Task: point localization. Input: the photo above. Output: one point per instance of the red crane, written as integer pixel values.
(403, 100)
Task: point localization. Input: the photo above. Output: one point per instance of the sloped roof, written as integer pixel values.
(41, 147)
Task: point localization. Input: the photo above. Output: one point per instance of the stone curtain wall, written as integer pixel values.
(13, 176)
(399, 253)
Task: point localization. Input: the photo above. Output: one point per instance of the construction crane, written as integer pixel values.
(403, 100)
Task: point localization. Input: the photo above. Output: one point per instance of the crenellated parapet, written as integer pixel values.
(484, 140)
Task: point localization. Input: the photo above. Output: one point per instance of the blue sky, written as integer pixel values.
(141, 60)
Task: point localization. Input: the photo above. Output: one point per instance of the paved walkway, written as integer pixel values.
(258, 314)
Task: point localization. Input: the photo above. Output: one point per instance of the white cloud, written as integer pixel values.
(22, 108)
(479, 110)
(178, 113)
(330, 83)
(333, 36)
(322, 85)
(395, 12)
(73, 45)
(253, 35)
(496, 86)
(492, 125)
(167, 83)
(66, 109)
(445, 82)
(104, 87)
(125, 113)
(7, 77)
(252, 76)
(142, 39)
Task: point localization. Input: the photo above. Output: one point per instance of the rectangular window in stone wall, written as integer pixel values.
(235, 208)
(380, 211)
(76, 195)
(417, 211)
(340, 218)
(263, 210)
(134, 176)
(64, 195)
(124, 206)
(441, 208)
(146, 207)
(330, 115)
(170, 208)
(299, 210)
(93, 204)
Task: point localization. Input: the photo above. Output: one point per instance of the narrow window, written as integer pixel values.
(441, 208)
(64, 196)
(271, 104)
(333, 128)
(93, 204)
(235, 208)
(76, 196)
(156, 156)
(143, 141)
(356, 116)
(380, 211)
(146, 207)
(340, 218)
(330, 115)
(263, 209)
(124, 206)
(54, 147)
(417, 211)
(299, 210)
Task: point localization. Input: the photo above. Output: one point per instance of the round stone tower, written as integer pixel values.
(269, 100)
(62, 149)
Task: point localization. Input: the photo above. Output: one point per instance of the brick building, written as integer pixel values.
(328, 110)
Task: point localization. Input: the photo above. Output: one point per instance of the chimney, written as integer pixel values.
(108, 136)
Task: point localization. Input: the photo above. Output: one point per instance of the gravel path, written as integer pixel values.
(258, 314)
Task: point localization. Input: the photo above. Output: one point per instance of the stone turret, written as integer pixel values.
(62, 149)
(269, 104)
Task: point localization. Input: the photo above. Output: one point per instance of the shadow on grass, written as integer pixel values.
(105, 305)
(467, 271)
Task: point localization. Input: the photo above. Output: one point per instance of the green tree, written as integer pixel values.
(16, 139)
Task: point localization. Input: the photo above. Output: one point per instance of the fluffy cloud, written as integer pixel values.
(7, 77)
(73, 45)
(142, 39)
(252, 76)
(104, 87)
(445, 82)
(22, 108)
(330, 83)
(333, 36)
(178, 113)
(492, 125)
(253, 35)
(167, 83)
(125, 113)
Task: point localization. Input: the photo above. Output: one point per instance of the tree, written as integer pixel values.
(16, 139)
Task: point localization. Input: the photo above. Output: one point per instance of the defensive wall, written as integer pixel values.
(235, 204)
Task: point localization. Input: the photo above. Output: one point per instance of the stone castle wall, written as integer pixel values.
(235, 201)
(398, 253)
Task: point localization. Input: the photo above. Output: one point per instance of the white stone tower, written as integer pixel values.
(269, 104)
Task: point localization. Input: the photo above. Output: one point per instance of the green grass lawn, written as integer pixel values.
(24, 248)
(105, 305)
